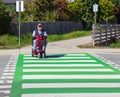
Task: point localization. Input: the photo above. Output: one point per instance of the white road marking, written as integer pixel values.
(5, 81)
(70, 85)
(10, 68)
(75, 54)
(28, 58)
(5, 86)
(7, 77)
(10, 65)
(60, 61)
(8, 74)
(7, 70)
(68, 70)
(71, 76)
(62, 65)
(63, 55)
(73, 95)
(5, 91)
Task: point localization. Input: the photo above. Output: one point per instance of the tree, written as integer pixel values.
(75, 10)
(63, 11)
(5, 19)
(11, 10)
(87, 14)
(117, 3)
(29, 13)
(106, 10)
(40, 10)
(117, 10)
(45, 10)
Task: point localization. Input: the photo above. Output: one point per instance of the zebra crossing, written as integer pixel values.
(7, 77)
(65, 75)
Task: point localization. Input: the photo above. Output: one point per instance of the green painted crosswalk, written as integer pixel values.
(64, 75)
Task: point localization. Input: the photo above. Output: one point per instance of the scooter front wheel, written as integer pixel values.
(38, 55)
(41, 55)
(44, 54)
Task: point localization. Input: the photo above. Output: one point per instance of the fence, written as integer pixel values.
(104, 33)
(53, 27)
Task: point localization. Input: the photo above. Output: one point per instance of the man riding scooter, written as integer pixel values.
(39, 32)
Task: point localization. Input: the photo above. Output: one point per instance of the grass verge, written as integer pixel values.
(89, 45)
(11, 41)
(115, 45)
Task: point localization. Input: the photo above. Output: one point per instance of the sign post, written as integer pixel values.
(19, 9)
(95, 10)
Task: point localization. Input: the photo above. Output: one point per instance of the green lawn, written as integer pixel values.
(11, 41)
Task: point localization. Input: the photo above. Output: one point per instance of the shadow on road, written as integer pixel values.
(55, 56)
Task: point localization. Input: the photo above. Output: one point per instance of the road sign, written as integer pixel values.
(19, 6)
(95, 10)
(19, 9)
(95, 7)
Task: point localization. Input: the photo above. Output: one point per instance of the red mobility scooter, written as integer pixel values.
(40, 43)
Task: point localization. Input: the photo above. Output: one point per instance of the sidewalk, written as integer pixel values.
(65, 46)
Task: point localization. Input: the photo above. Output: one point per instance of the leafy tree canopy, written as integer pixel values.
(106, 10)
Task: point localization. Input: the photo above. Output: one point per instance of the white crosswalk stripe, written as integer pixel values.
(63, 65)
(30, 58)
(73, 95)
(67, 70)
(71, 85)
(60, 61)
(71, 76)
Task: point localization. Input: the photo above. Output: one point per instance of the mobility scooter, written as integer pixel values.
(40, 43)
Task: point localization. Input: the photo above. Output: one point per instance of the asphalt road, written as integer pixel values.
(112, 57)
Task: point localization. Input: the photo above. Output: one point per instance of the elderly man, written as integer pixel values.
(39, 31)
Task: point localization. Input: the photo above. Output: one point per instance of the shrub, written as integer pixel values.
(115, 45)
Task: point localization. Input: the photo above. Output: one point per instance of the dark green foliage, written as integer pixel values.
(87, 13)
(45, 10)
(75, 10)
(11, 10)
(116, 2)
(106, 10)
(5, 19)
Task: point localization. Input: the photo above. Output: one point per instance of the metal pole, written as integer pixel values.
(19, 21)
(95, 18)
(93, 41)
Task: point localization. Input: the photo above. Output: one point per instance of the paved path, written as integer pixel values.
(65, 75)
(66, 46)
(55, 47)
